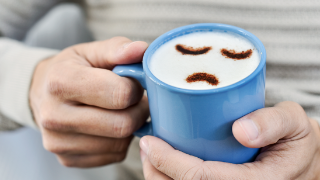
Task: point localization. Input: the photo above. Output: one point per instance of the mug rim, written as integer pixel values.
(203, 27)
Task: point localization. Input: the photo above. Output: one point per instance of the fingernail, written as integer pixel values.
(249, 127)
(143, 156)
(144, 145)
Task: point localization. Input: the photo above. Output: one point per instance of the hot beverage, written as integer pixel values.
(204, 60)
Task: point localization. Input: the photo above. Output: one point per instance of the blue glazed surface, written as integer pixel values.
(199, 122)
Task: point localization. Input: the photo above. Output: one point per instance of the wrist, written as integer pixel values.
(36, 86)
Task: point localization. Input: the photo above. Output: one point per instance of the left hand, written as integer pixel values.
(290, 141)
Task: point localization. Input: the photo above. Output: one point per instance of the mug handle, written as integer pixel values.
(135, 71)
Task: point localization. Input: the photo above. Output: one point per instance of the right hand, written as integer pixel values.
(288, 138)
(85, 112)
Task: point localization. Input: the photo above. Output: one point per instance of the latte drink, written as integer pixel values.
(204, 60)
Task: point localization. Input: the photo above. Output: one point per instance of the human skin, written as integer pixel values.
(290, 143)
(85, 112)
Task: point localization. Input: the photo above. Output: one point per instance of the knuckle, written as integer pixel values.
(53, 147)
(194, 173)
(55, 86)
(293, 119)
(295, 106)
(160, 162)
(56, 124)
(47, 119)
(67, 162)
(50, 123)
(122, 95)
(296, 110)
(62, 80)
(277, 118)
(47, 145)
(272, 116)
(123, 127)
(275, 113)
(59, 150)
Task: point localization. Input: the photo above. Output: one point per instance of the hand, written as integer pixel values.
(290, 142)
(85, 112)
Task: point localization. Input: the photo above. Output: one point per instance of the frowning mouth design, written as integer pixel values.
(188, 50)
(236, 55)
(200, 76)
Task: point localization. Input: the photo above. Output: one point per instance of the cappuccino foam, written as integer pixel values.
(204, 60)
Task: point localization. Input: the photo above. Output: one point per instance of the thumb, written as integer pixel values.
(286, 120)
(109, 53)
(166, 159)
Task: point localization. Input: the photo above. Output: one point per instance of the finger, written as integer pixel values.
(150, 172)
(286, 120)
(97, 121)
(179, 165)
(315, 125)
(68, 144)
(108, 53)
(166, 159)
(84, 161)
(93, 86)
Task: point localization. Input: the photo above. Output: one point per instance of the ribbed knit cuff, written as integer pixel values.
(17, 64)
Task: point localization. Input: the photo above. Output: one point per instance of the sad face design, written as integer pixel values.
(204, 60)
(202, 76)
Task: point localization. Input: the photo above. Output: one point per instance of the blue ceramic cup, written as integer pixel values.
(199, 122)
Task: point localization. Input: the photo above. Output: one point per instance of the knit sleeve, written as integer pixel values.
(17, 16)
(17, 63)
(7, 124)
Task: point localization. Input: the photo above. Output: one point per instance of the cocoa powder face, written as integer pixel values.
(204, 60)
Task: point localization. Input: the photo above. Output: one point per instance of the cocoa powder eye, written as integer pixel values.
(236, 55)
(188, 50)
(200, 76)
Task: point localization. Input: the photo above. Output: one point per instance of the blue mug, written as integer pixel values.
(199, 122)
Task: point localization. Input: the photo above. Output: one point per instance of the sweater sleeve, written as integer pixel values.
(17, 16)
(17, 63)
(7, 124)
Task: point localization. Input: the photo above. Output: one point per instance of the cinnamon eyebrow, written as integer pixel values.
(188, 50)
(236, 55)
(209, 78)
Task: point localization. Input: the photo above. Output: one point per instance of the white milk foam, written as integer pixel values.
(171, 67)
